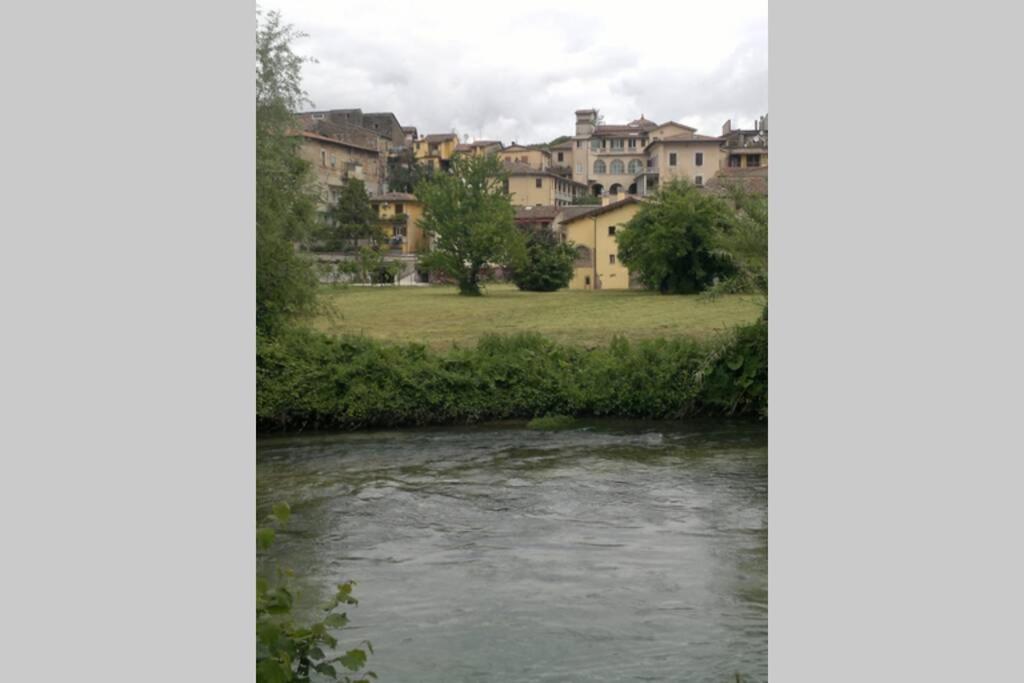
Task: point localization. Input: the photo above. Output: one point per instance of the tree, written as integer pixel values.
(744, 241)
(469, 215)
(404, 172)
(351, 219)
(586, 200)
(285, 198)
(546, 264)
(670, 244)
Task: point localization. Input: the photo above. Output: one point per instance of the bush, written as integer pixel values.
(307, 380)
(546, 265)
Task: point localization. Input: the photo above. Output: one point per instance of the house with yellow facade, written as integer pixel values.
(436, 149)
(532, 156)
(530, 186)
(594, 234)
(399, 214)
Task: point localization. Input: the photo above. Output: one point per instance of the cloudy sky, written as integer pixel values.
(516, 71)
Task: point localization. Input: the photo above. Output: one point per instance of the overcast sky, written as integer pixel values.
(519, 74)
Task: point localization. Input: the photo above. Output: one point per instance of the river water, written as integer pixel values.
(619, 551)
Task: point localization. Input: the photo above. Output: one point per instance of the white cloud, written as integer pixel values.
(521, 73)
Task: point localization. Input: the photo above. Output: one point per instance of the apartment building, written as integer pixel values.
(479, 148)
(533, 156)
(594, 232)
(436, 149)
(530, 186)
(336, 161)
(399, 214)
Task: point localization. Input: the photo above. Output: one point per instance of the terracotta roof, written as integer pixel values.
(641, 122)
(565, 144)
(685, 139)
(394, 197)
(323, 138)
(598, 210)
(570, 212)
(438, 137)
(676, 123)
(525, 214)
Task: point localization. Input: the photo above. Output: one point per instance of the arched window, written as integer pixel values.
(599, 167)
(615, 189)
(635, 166)
(618, 168)
(582, 254)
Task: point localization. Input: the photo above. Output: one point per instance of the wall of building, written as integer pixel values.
(535, 158)
(686, 160)
(333, 164)
(582, 231)
(553, 191)
(415, 237)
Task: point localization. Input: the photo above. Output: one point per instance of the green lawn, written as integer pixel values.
(439, 317)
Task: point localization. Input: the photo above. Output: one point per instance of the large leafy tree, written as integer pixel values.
(745, 241)
(285, 197)
(670, 244)
(351, 219)
(405, 173)
(469, 215)
(546, 263)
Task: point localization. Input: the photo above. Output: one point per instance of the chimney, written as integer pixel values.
(727, 127)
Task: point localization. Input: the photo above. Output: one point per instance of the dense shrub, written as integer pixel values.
(308, 380)
(546, 264)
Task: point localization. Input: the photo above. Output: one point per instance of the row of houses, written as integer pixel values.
(620, 164)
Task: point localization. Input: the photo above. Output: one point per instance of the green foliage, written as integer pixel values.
(290, 652)
(552, 422)
(350, 220)
(586, 200)
(285, 198)
(405, 173)
(470, 217)
(546, 264)
(669, 245)
(310, 380)
(744, 241)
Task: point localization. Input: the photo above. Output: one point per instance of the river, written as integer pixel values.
(619, 551)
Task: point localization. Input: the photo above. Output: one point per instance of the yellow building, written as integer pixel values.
(399, 214)
(436, 150)
(534, 157)
(594, 234)
(531, 187)
(479, 148)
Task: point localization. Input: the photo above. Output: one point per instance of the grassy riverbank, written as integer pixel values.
(439, 318)
(309, 380)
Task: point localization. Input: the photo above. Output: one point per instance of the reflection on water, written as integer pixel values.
(614, 552)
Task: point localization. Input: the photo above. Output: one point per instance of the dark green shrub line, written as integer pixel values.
(307, 380)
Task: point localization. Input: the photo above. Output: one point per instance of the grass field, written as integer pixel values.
(439, 317)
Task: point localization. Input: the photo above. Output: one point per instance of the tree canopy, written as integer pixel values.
(468, 214)
(546, 263)
(285, 197)
(351, 219)
(670, 244)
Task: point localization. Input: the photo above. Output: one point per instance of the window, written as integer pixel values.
(611, 230)
(399, 208)
(323, 158)
(540, 182)
(672, 159)
(334, 161)
(595, 144)
(579, 167)
(618, 168)
(734, 160)
(586, 281)
(599, 167)
(561, 157)
(635, 166)
(618, 144)
(579, 143)
(698, 159)
(611, 259)
(753, 160)
(632, 143)
(699, 181)
(318, 116)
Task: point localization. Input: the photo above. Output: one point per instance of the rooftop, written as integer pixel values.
(598, 210)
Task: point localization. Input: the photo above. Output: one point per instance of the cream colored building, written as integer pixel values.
(594, 234)
(531, 187)
(534, 157)
(399, 214)
(334, 162)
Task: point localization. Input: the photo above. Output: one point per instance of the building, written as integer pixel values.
(694, 158)
(399, 214)
(594, 231)
(436, 150)
(335, 161)
(530, 186)
(533, 156)
(608, 158)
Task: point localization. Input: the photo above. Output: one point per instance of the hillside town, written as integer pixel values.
(582, 186)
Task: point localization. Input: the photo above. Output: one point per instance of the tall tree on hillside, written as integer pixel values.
(670, 244)
(468, 213)
(351, 219)
(285, 198)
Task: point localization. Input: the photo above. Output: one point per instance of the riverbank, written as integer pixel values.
(310, 380)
